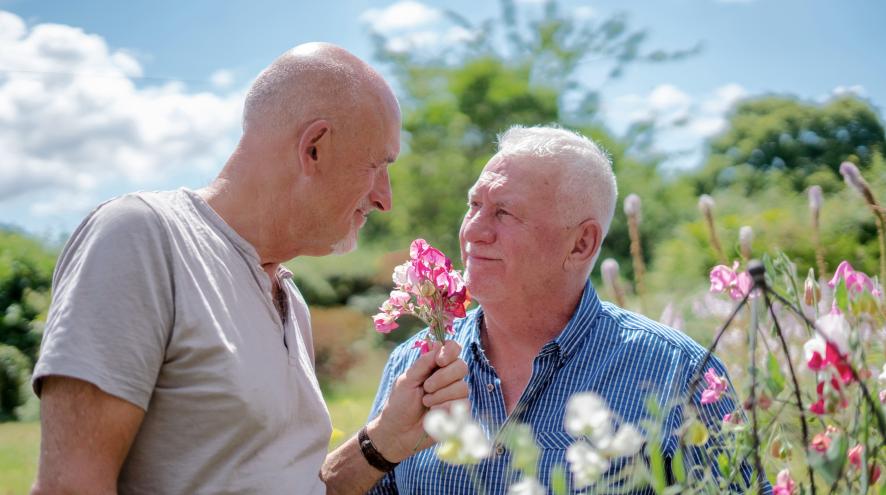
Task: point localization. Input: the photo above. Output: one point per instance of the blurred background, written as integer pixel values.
(748, 101)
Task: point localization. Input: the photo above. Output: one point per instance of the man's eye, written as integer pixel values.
(502, 213)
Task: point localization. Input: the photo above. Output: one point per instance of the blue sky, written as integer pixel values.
(98, 98)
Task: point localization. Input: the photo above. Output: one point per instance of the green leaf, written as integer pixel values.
(559, 485)
(841, 295)
(519, 440)
(656, 461)
(774, 377)
(677, 467)
(830, 464)
(723, 464)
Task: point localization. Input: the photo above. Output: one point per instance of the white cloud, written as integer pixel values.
(584, 12)
(683, 121)
(855, 89)
(75, 120)
(406, 14)
(222, 78)
(416, 40)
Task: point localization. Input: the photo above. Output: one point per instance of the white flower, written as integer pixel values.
(626, 442)
(882, 376)
(399, 276)
(462, 440)
(587, 415)
(586, 464)
(527, 486)
(833, 327)
(814, 345)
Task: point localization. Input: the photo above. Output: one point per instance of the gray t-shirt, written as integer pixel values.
(156, 300)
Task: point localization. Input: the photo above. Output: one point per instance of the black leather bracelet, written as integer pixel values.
(372, 455)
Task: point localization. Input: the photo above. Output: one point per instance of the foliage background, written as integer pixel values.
(523, 70)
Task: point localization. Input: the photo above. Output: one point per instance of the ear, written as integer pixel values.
(314, 145)
(586, 243)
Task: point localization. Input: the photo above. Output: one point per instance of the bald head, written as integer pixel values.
(314, 81)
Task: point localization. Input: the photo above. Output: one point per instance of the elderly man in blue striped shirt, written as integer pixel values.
(536, 218)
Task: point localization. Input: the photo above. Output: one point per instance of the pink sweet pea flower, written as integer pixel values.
(830, 399)
(856, 282)
(854, 456)
(399, 299)
(722, 277)
(725, 279)
(428, 288)
(732, 418)
(831, 348)
(784, 484)
(384, 322)
(820, 442)
(716, 387)
(423, 344)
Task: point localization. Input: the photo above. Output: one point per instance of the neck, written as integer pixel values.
(523, 327)
(252, 211)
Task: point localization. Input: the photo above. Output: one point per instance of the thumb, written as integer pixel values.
(423, 367)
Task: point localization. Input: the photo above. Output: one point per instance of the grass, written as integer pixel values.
(19, 447)
(349, 403)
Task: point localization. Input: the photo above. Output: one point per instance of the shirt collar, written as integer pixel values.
(566, 343)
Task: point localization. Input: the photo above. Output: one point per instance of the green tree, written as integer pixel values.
(782, 138)
(14, 376)
(514, 70)
(25, 277)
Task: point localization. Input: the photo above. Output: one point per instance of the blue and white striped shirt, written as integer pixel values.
(619, 355)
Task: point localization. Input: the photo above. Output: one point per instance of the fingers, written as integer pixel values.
(422, 368)
(448, 354)
(443, 377)
(452, 392)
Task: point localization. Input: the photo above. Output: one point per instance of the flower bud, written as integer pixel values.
(815, 198)
(427, 288)
(609, 270)
(852, 176)
(696, 434)
(811, 291)
(632, 205)
(745, 239)
(706, 204)
(776, 448)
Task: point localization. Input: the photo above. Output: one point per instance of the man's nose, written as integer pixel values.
(477, 229)
(380, 196)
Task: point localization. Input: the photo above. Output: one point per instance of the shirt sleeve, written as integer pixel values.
(387, 485)
(112, 303)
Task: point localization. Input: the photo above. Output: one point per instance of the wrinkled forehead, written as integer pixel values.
(514, 175)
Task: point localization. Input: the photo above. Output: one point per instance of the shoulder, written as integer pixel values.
(114, 233)
(134, 215)
(633, 329)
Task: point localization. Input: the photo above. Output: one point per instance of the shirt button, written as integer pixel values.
(499, 449)
(490, 387)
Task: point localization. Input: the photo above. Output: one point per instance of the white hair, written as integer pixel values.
(587, 186)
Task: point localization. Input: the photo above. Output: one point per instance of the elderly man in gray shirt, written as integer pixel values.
(177, 355)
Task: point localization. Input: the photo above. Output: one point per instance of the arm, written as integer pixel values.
(85, 435)
(434, 380)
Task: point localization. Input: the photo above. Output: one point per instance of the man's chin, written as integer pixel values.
(346, 245)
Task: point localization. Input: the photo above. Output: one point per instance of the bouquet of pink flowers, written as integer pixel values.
(428, 288)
